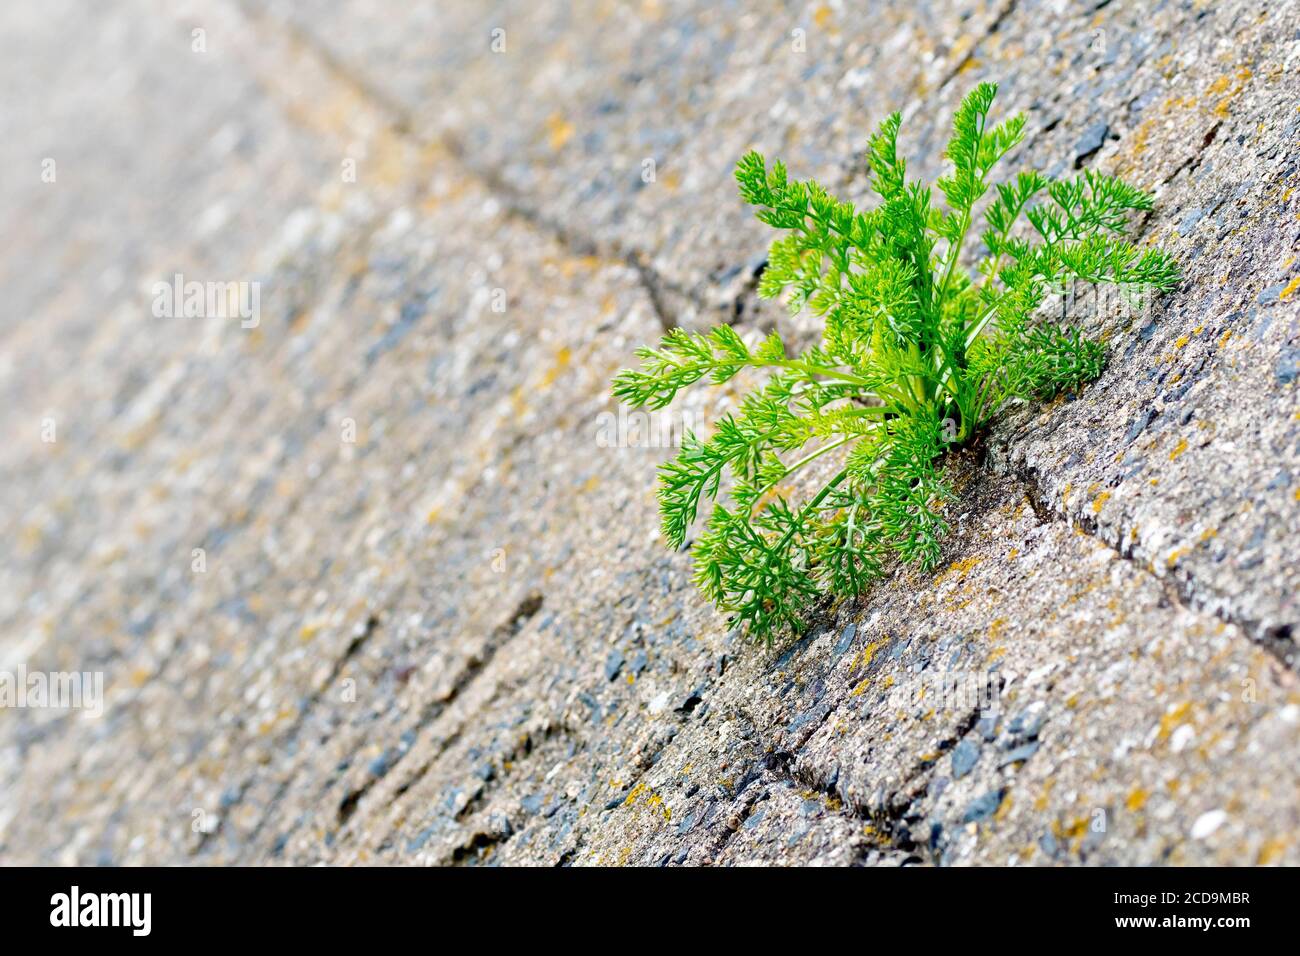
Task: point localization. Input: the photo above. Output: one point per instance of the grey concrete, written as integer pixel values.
(435, 623)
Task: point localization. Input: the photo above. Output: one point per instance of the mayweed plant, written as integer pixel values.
(918, 354)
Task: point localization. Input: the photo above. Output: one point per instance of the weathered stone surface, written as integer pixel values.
(456, 638)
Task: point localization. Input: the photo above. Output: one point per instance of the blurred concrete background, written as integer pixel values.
(366, 584)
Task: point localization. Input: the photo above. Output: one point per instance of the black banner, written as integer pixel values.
(337, 906)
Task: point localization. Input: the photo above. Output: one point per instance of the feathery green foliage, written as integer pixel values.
(917, 355)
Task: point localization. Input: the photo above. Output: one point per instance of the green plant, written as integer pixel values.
(917, 356)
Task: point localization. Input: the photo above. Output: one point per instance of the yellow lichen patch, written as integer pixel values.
(1140, 137)
(822, 16)
(1173, 717)
(1290, 289)
(1100, 501)
(1232, 86)
(1136, 799)
(1219, 85)
(1175, 556)
(1182, 341)
(558, 131)
(571, 266)
(961, 47)
(1178, 449)
(1066, 832)
(1271, 851)
(1003, 809)
(1040, 803)
(653, 800)
(281, 716)
(656, 803)
(562, 359)
(863, 660)
(517, 403)
(962, 567)
(861, 688)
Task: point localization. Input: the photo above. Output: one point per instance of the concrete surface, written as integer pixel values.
(433, 622)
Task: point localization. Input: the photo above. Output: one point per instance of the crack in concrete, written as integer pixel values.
(994, 27)
(1181, 591)
(481, 837)
(473, 668)
(290, 737)
(402, 124)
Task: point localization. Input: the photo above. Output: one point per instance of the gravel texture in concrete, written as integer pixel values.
(376, 577)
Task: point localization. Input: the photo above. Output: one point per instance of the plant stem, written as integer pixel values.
(811, 369)
(830, 446)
